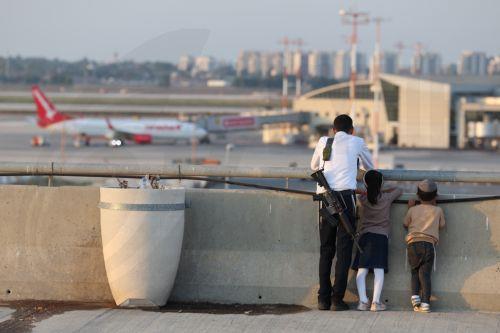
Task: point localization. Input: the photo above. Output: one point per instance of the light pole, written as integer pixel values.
(377, 89)
(354, 19)
(284, 95)
(298, 74)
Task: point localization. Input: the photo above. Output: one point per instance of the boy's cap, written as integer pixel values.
(427, 185)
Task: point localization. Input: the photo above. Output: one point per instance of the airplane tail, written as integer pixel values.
(46, 111)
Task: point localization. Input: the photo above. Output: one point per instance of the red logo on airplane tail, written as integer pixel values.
(46, 111)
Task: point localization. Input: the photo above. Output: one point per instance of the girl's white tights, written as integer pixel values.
(377, 284)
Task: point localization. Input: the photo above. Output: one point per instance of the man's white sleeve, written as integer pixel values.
(316, 158)
(366, 156)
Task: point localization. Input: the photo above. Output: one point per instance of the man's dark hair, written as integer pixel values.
(343, 123)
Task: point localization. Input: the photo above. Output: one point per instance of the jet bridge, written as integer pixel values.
(219, 124)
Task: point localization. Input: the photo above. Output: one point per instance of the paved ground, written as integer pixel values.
(252, 320)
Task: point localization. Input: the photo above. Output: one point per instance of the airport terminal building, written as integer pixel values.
(415, 112)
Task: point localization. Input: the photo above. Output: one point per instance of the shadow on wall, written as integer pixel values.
(262, 247)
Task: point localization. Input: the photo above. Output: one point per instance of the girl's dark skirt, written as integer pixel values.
(375, 252)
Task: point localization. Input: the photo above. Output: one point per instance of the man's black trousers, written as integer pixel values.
(335, 240)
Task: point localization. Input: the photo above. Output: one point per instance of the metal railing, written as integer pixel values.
(184, 170)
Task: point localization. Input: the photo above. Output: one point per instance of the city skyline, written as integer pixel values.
(98, 30)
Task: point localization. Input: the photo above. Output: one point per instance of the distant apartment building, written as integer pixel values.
(390, 63)
(241, 63)
(254, 64)
(266, 64)
(472, 63)
(203, 64)
(288, 61)
(185, 63)
(494, 66)
(277, 64)
(426, 64)
(299, 63)
(320, 64)
(249, 63)
(259, 64)
(342, 65)
(450, 70)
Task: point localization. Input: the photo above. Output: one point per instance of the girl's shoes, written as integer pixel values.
(378, 307)
(363, 306)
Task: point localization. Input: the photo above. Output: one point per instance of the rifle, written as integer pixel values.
(333, 206)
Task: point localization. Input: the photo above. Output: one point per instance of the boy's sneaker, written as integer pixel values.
(423, 307)
(363, 306)
(415, 301)
(378, 307)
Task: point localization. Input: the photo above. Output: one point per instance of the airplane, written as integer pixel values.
(117, 131)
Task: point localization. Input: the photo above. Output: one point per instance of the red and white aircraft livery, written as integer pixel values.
(141, 131)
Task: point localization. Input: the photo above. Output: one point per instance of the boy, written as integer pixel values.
(423, 222)
(338, 156)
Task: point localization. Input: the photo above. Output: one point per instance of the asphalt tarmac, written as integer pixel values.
(248, 150)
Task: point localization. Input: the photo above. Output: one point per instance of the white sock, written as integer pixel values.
(378, 284)
(361, 283)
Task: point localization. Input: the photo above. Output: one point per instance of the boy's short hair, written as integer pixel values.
(427, 190)
(342, 123)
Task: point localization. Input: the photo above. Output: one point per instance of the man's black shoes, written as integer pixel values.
(340, 306)
(324, 305)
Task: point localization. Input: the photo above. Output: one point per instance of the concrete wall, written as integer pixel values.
(239, 246)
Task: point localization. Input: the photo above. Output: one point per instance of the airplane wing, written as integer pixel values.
(123, 135)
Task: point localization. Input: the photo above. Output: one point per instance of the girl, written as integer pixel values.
(374, 231)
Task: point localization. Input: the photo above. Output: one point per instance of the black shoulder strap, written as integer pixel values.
(327, 151)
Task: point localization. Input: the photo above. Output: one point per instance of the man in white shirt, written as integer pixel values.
(340, 171)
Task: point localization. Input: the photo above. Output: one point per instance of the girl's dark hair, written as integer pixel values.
(373, 182)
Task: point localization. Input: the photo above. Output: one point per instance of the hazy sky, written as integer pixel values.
(72, 29)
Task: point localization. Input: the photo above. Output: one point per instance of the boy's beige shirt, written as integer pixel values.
(423, 223)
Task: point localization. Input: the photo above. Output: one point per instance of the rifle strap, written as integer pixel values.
(327, 151)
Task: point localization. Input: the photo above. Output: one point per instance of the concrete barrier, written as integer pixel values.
(240, 246)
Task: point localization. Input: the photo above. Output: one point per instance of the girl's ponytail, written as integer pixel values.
(373, 181)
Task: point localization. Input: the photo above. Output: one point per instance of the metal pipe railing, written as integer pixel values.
(184, 170)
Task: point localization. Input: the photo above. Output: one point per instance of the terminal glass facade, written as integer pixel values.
(391, 99)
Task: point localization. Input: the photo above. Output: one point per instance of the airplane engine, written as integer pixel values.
(143, 139)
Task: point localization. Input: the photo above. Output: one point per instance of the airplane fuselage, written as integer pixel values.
(110, 128)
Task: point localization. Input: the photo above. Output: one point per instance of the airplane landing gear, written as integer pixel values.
(77, 142)
(38, 141)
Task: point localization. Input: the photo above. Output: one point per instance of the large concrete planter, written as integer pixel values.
(142, 231)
